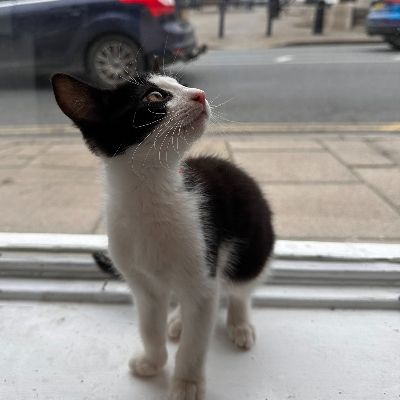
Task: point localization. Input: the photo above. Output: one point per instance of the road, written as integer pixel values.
(339, 84)
(320, 84)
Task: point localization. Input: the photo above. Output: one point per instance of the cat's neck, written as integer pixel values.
(124, 176)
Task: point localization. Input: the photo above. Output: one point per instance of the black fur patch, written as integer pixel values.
(110, 120)
(105, 264)
(235, 212)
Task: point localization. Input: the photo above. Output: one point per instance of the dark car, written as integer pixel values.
(384, 19)
(106, 40)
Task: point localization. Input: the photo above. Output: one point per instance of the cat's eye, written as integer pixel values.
(155, 96)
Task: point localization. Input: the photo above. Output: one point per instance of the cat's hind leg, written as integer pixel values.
(174, 328)
(239, 328)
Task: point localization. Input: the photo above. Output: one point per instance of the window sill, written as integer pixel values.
(327, 326)
(73, 351)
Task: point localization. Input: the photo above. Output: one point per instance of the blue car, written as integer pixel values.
(105, 40)
(384, 19)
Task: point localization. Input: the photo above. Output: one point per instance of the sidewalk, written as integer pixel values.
(326, 187)
(246, 29)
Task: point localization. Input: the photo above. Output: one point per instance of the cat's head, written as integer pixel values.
(148, 116)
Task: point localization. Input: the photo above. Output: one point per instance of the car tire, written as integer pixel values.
(394, 42)
(113, 59)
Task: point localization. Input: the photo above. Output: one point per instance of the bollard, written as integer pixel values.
(269, 21)
(222, 9)
(319, 18)
(273, 12)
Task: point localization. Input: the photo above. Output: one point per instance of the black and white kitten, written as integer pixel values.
(187, 226)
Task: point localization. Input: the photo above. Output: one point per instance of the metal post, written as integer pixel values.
(319, 18)
(273, 12)
(222, 9)
(269, 20)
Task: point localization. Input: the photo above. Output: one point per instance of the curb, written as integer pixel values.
(328, 42)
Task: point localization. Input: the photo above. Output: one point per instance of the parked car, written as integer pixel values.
(384, 19)
(106, 40)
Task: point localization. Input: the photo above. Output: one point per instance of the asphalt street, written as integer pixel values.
(321, 84)
(339, 84)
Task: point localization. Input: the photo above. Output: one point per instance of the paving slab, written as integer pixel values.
(293, 167)
(83, 160)
(357, 153)
(69, 148)
(331, 212)
(260, 142)
(100, 228)
(49, 175)
(390, 148)
(210, 146)
(68, 208)
(31, 149)
(314, 196)
(11, 161)
(384, 180)
(7, 175)
(5, 144)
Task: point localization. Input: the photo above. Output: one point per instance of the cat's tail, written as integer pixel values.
(105, 264)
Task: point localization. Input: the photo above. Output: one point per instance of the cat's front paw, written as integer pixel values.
(185, 390)
(242, 335)
(142, 365)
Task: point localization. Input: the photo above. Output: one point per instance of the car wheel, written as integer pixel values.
(113, 59)
(394, 41)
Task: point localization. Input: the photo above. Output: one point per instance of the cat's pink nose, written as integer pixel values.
(200, 97)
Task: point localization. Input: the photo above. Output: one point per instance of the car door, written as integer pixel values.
(51, 26)
(10, 51)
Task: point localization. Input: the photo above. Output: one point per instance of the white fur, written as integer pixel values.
(156, 242)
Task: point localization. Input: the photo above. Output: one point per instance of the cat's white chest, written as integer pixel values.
(157, 232)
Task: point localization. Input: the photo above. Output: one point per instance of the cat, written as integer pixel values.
(187, 226)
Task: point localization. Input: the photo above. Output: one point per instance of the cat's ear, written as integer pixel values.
(78, 100)
(156, 65)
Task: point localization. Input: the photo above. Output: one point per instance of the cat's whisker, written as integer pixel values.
(177, 144)
(166, 151)
(133, 80)
(221, 104)
(114, 70)
(221, 118)
(122, 65)
(212, 101)
(139, 50)
(170, 134)
(165, 47)
(224, 114)
(183, 66)
(116, 151)
(159, 132)
(180, 157)
(141, 144)
(176, 54)
(180, 135)
(148, 109)
(150, 123)
(222, 130)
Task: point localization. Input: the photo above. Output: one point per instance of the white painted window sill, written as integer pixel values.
(328, 327)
